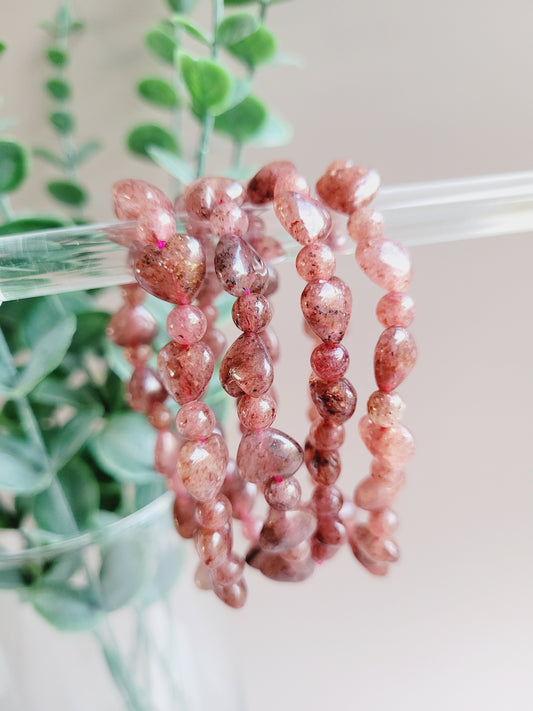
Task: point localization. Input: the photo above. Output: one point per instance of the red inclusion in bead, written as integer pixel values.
(228, 219)
(195, 420)
(185, 371)
(385, 409)
(203, 195)
(394, 358)
(156, 225)
(329, 362)
(251, 312)
(246, 367)
(335, 401)
(239, 267)
(365, 224)
(202, 466)
(256, 413)
(186, 324)
(327, 307)
(324, 466)
(316, 261)
(266, 453)
(283, 494)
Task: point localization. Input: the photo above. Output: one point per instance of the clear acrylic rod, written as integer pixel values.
(74, 258)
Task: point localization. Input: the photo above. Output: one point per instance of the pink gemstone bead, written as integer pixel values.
(325, 436)
(256, 413)
(291, 183)
(202, 466)
(144, 389)
(384, 470)
(321, 552)
(229, 572)
(385, 409)
(185, 515)
(246, 367)
(382, 523)
(238, 266)
(379, 550)
(324, 466)
(210, 288)
(214, 514)
(132, 294)
(300, 552)
(303, 218)
(131, 325)
(373, 567)
(396, 309)
(202, 577)
(272, 281)
(261, 187)
(348, 188)
(138, 355)
(372, 494)
(228, 219)
(365, 224)
(327, 307)
(271, 343)
(266, 453)
(186, 324)
(395, 444)
(212, 547)
(385, 262)
(173, 273)
(335, 401)
(216, 341)
(132, 197)
(156, 224)
(204, 194)
(284, 530)
(394, 358)
(276, 567)
(331, 532)
(195, 420)
(268, 248)
(159, 416)
(326, 500)
(251, 312)
(329, 362)
(283, 494)
(233, 594)
(185, 370)
(240, 493)
(316, 261)
(166, 452)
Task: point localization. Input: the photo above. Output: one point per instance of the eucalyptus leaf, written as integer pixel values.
(145, 136)
(91, 331)
(86, 151)
(30, 224)
(56, 392)
(21, 466)
(56, 56)
(159, 92)
(13, 165)
(65, 607)
(11, 579)
(67, 192)
(243, 121)
(208, 83)
(58, 89)
(61, 568)
(124, 448)
(62, 121)
(235, 28)
(181, 5)
(49, 157)
(123, 573)
(63, 444)
(172, 163)
(257, 48)
(191, 29)
(161, 44)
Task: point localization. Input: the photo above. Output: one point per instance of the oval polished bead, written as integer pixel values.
(325, 435)
(230, 571)
(335, 401)
(326, 500)
(386, 263)
(195, 420)
(327, 307)
(202, 466)
(330, 361)
(380, 550)
(365, 223)
(186, 324)
(396, 309)
(215, 513)
(238, 266)
(251, 312)
(303, 218)
(385, 409)
(167, 447)
(233, 594)
(383, 522)
(185, 370)
(228, 219)
(394, 358)
(373, 567)
(145, 389)
(284, 530)
(276, 567)
(256, 413)
(395, 444)
(213, 547)
(131, 326)
(131, 197)
(320, 551)
(324, 466)
(316, 261)
(204, 194)
(348, 187)
(155, 225)
(246, 367)
(372, 494)
(283, 494)
(266, 453)
(260, 189)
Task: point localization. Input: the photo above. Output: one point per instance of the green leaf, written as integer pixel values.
(2, 47)
(49, 157)
(181, 5)
(69, 439)
(21, 469)
(124, 448)
(56, 56)
(61, 568)
(123, 573)
(257, 48)
(91, 331)
(161, 44)
(30, 224)
(173, 164)
(11, 579)
(235, 28)
(66, 608)
(274, 132)
(243, 121)
(191, 29)
(56, 392)
(86, 152)
(158, 91)
(147, 135)
(67, 192)
(62, 121)
(208, 83)
(13, 165)
(169, 563)
(58, 89)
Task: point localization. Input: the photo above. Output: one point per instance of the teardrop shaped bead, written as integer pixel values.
(238, 266)
(386, 263)
(335, 401)
(145, 389)
(233, 594)
(394, 358)
(186, 324)
(283, 530)
(167, 447)
(327, 307)
(395, 444)
(202, 466)
(396, 309)
(204, 194)
(173, 273)
(303, 218)
(185, 370)
(246, 367)
(132, 197)
(348, 187)
(260, 188)
(155, 225)
(131, 326)
(266, 453)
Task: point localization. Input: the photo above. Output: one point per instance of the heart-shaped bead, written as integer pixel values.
(173, 273)
(246, 367)
(266, 453)
(202, 466)
(185, 370)
(327, 307)
(284, 530)
(238, 266)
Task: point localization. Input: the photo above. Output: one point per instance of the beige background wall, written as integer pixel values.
(421, 90)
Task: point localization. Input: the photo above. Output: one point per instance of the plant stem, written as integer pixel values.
(177, 112)
(237, 157)
(263, 11)
(5, 207)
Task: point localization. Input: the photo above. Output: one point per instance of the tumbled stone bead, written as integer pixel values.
(324, 466)
(305, 219)
(261, 187)
(212, 547)
(292, 183)
(335, 401)
(185, 370)
(251, 312)
(387, 471)
(229, 571)
(394, 358)
(326, 436)
(132, 197)
(144, 389)
(202, 466)
(386, 263)
(316, 261)
(372, 494)
(155, 225)
(331, 532)
(381, 550)
(132, 294)
(233, 595)
(186, 324)
(131, 326)
(256, 413)
(214, 514)
(185, 515)
(246, 367)
(327, 307)
(283, 494)
(204, 194)
(167, 447)
(382, 523)
(268, 248)
(195, 420)
(396, 309)
(385, 409)
(365, 223)
(202, 577)
(395, 444)
(138, 355)
(330, 361)
(210, 288)
(299, 553)
(210, 312)
(348, 188)
(216, 340)
(283, 530)
(266, 453)
(378, 569)
(159, 416)
(238, 266)
(240, 492)
(173, 273)
(326, 500)
(228, 219)
(271, 343)
(276, 566)
(320, 551)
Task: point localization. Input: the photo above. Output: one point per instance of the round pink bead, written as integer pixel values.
(195, 420)
(326, 436)
(385, 262)
(365, 223)
(385, 409)
(251, 312)
(329, 362)
(305, 219)
(396, 309)
(283, 494)
(347, 187)
(132, 197)
(326, 500)
(228, 219)
(315, 261)
(144, 389)
(155, 225)
(256, 413)
(186, 324)
(131, 326)
(395, 444)
(204, 194)
(185, 370)
(214, 514)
